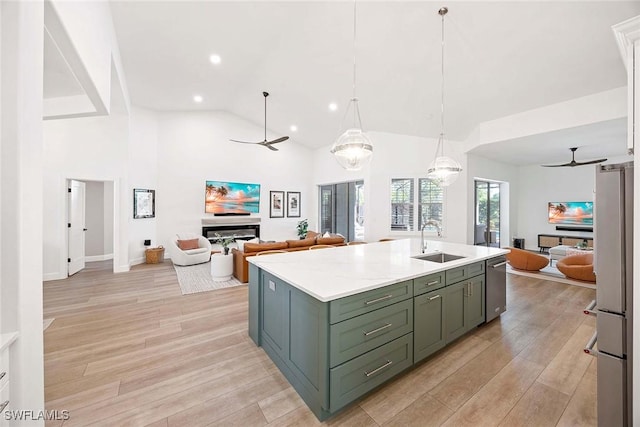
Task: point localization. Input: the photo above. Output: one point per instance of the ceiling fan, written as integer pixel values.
(573, 162)
(265, 143)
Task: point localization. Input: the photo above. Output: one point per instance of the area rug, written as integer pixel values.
(197, 278)
(552, 274)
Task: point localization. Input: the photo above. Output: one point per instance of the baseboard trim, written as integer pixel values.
(53, 276)
(94, 258)
(137, 261)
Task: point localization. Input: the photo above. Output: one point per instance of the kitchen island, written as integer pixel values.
(339, 322)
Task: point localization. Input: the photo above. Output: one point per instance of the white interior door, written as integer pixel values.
(76, 226)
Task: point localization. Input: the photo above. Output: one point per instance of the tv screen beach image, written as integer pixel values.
(232, 197)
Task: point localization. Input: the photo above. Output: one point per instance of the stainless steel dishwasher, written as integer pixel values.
(496, 287)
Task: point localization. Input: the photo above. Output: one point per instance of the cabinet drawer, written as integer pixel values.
(360, 334)
(428, 283)
(455, 275)
(355, 305)
(356, 377)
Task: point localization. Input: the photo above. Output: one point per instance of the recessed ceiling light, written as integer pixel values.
(294, 128)
(198, 98)
(333, 106)
(215, 59)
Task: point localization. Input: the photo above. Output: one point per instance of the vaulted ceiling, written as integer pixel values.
(501, 58)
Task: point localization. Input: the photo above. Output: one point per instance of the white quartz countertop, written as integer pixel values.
(329, 274)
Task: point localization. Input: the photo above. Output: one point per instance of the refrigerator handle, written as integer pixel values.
(589, 347)
(590, 309)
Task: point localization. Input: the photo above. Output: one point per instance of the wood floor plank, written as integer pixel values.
(494, 401)
(582, 408)
(464, 383)
(565, 371)
(130, 349)
(540, 406)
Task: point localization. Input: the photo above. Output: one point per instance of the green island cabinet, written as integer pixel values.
(334, 352)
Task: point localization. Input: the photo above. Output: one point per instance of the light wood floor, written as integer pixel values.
(129, 349)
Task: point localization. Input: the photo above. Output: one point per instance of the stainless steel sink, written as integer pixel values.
(438, 257)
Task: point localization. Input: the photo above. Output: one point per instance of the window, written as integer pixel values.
(403, 208)
(431, 199)
(402, 204)
(342, 209)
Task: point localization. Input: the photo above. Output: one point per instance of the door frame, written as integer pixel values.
(501, 188)
(64, 253)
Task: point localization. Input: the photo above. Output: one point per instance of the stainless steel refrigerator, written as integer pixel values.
(613, 265)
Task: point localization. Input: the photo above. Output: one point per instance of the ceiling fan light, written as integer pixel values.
(353, 149)
(443, 170)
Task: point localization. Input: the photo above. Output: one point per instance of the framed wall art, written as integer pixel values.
(276, 204)
(144, 203)
(293, 204)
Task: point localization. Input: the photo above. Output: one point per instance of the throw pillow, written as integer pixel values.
(186, 245)
(187, 236)
(241, 243)
(326, 234)
(259, 247)
(329, 240)
(301, 243)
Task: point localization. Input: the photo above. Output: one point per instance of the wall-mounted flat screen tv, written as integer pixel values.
(571, 213)
(231, 198)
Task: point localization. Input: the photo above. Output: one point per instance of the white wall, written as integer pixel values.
(94, 219)
(195, 147)
(99, 221)
(491, 170)
(538, 186)
(87, 149)
(21, 156)
(143, 173)
(595, 108)
(398, 156)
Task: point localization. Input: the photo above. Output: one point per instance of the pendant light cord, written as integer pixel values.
(357, 120)
(443, 11)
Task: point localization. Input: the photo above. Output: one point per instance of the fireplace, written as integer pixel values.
(238, 228)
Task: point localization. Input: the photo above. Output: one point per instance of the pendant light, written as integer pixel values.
(443, 170)
(353, 149)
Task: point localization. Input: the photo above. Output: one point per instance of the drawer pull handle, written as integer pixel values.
(366, 334)
(436, 297)
(589, 310)
(592, 343)
(4, 405)
(2, 375)
(373, 301)
(375, 371)
(435, 282)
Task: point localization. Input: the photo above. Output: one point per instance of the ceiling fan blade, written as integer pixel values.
(591, 162)
(275, 141)
(243, 142)
(266, 144)
(557, 166)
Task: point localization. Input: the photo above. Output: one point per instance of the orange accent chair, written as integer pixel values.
(525, 260)
(579, 267)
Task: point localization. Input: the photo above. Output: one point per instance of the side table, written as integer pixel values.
(221, 267)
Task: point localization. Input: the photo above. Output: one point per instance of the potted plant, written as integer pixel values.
(302, 228)
(224, 242)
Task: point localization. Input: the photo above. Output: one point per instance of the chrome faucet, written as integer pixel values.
(436, 224)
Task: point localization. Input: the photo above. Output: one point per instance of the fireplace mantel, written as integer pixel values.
(236, 227)
(231, 220)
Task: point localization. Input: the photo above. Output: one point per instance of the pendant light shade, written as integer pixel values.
(353, 149)
(443, 170)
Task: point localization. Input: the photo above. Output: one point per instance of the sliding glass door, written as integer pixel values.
(487, 214)
(342, 209)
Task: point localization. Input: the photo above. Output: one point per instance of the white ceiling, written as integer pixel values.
(501, 58)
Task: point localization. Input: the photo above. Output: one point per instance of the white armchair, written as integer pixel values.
(190, 256)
